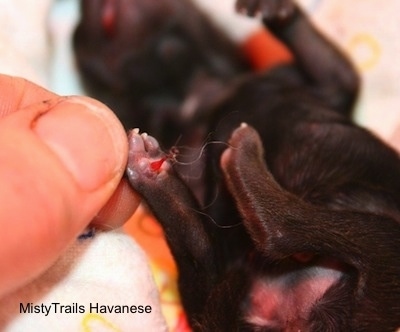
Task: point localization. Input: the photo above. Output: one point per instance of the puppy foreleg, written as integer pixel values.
(324, 65)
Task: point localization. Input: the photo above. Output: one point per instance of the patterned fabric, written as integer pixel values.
(368, 32)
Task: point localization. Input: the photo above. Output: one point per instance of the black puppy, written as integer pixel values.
(319, 242)
(156, 63)
(304, 236)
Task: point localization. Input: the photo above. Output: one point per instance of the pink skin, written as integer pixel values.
(149, 159)
(69, 184)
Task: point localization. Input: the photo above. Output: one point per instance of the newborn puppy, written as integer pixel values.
(302, 226)
(156, 63)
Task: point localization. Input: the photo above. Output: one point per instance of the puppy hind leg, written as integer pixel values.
(151, 175)
(281, 224)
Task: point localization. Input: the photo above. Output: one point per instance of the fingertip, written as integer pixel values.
(61, 161)
(88, 139)
(119, 208)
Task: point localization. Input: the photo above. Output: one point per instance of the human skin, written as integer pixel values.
(61, 165)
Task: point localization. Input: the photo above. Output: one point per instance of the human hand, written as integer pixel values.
(394, 140)
(61, 163)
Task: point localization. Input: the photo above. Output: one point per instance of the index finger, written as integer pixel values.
(17, 93)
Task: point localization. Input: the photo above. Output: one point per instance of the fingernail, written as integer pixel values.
(87, 138)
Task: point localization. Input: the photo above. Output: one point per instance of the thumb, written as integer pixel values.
(60, 161)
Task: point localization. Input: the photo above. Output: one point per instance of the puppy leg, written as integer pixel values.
(175, 207)
(324, 65)
(282, 225)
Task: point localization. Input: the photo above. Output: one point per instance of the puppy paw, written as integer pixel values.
(145, 158)
(244, 145)
(268, 10)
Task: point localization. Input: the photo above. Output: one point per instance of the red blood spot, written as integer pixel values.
(156, 165)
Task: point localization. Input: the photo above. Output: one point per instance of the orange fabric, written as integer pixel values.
(149, 235)
(265, 51)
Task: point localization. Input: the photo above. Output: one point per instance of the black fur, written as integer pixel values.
(150, 61)
(302, 197)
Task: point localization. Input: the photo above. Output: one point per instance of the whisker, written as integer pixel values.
(200, 153)
(215, 223)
